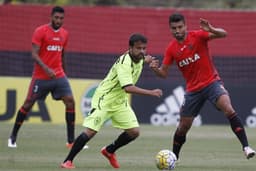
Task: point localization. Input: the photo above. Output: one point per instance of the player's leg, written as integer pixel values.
(125, 119)
(193, 102)
(123, 139)
(218, 95)
(62, 90)
(79, 143)
(179, 137)
(92, 123)
(20, 117)
(70, 118)
(36, 91)
(224, 104)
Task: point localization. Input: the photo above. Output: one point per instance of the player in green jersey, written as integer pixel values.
(110, 101)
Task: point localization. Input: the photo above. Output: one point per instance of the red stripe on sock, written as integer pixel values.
(70, 111)
(232, 115)
(238, 129)
(23, 111)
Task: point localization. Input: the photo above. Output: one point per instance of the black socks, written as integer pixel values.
(122, 140)
(79, 143)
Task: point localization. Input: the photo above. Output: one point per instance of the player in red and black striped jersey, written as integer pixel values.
(48, 44)
(189, 50)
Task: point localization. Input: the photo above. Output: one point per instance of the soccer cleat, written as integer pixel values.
(69, 145)
(11, 143)
(249, 152)
(111, 157)
(86, 147)
(67, 165)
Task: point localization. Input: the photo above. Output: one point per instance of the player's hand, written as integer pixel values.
(148, 59)
(154, 64)
(50, 73)
(205, 25)
(157, 92)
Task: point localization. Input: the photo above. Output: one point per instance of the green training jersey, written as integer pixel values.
(110, 94)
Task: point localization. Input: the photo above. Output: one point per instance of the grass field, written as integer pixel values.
(41, 147)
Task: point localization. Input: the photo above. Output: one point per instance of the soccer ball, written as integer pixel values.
(165, 160)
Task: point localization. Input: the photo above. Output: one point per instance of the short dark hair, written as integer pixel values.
(176, 17)
(57, 9)
(136, 37)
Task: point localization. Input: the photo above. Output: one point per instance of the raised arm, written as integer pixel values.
(214, 31)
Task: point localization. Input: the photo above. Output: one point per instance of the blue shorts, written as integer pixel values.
(39, 89)
(194, 101)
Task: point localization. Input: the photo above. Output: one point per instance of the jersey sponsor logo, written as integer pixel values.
(56, 38)
(167, 113)
(54, 48)
(189, 60)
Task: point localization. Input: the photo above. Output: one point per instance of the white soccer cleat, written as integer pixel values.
(249, 152)
(11, 144)
(85, 147)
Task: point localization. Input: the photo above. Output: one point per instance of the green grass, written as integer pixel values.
(41, 147)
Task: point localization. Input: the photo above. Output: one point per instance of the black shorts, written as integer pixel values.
(39, 89)
(194, 101)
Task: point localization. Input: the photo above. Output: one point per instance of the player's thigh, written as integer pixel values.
(193, 102)
(62, 88)
(38, 90)
(219, 96)
(95, 119)
(124, 118)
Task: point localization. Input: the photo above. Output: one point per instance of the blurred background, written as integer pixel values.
(204, 4)
(99, 32)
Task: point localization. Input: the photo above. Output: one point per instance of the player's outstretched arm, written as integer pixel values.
(214, 32)
(159, 71)
(148, 59)
(132, 89)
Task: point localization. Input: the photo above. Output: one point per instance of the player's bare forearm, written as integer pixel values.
(36, 58)
(148, 59)
(217, 32)
(160, 72)
(214, 31)
(137, 90)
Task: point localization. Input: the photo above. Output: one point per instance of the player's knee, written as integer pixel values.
(229, 113)
(69, 102)
(183, 129)
(28, 105)
(134, 133)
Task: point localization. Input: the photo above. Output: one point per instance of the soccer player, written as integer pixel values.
(190, 52)
(48, 44)
(110, 101)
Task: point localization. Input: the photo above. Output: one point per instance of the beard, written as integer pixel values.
(137, 58)
(56, 26)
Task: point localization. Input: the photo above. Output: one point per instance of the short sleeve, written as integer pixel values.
(124, 73)
(37, 37)
(203, 34)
